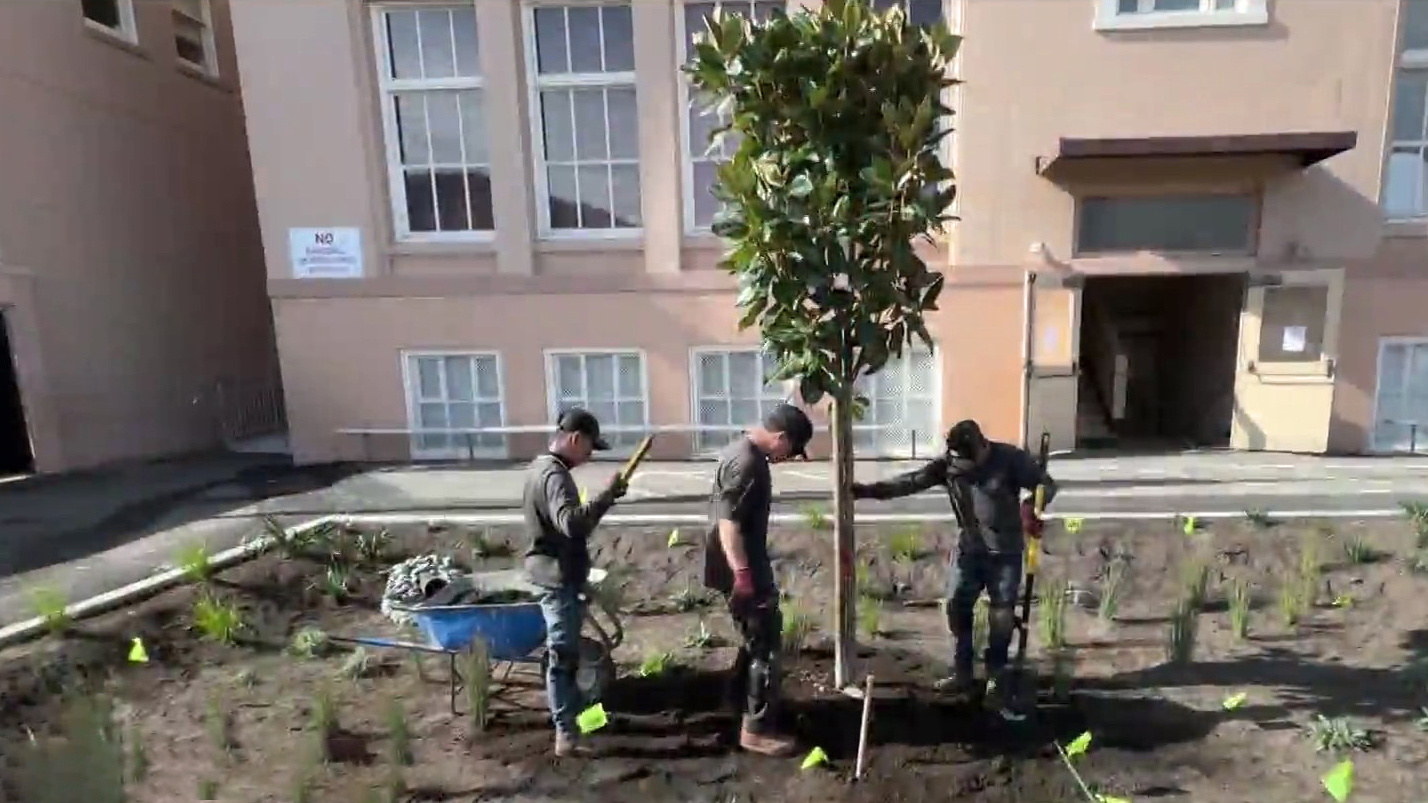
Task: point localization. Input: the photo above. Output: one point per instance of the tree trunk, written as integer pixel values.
(845, 591)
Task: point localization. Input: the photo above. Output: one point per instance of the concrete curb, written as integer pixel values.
(29, 629)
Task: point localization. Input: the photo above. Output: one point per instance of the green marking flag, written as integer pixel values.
(815, 757)
(137, 653)
(1340, 780)
(1111, 799)
(1074, 526)
(1235, 701)
(1190, 525)
(673, 538)
(584, 497)
(592, 719)
(1078, 745)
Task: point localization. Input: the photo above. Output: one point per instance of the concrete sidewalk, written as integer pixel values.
(90, 533)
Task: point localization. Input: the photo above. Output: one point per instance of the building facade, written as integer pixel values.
(1187, 222)
(135, 320)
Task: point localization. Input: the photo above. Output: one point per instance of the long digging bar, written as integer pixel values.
(1033, 561)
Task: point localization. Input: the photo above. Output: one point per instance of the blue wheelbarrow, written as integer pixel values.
(513, 633)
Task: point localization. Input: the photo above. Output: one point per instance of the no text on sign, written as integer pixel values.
(333, 253)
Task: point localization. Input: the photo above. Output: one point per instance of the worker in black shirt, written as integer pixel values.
(990, 475)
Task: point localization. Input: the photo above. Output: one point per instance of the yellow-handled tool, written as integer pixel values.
(634, 462)
(1033, 560)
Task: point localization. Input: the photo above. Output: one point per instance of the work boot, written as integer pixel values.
(765, 744)
(959, 684)
(568, 745)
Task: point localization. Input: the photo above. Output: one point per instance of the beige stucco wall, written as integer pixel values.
(1034, 70)
(128, 242)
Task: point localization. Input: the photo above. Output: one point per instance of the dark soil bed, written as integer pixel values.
(236, 722)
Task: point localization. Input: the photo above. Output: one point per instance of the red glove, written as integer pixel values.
(1030, 523)
(742, 595)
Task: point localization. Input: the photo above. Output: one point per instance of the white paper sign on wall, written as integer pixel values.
(334, 253)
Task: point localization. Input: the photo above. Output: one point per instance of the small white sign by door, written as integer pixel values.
(326, 253)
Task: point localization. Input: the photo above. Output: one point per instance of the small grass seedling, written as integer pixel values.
(310, 642)
(798, 625)
(905, 546)
(1259, 518)
(1311, 564)
(194, 561)
(1292, 605)
(138, 759)
(701, 638)
(86, 762)
(373, 546)
(1241, 601)
(335, 582)
(485, 547)
(656, 664)
(1422, 722)
(475, 667)
(217, 620)
(1195, 582)
(815, 517)
(357, 664)
(399, 734)
(870, 616)
(1113, 584)
(691, 599)
(1052, 613)
(1417, 513)
(1418, 562)
(1181, 632)
(218, 722)
(52, 608)
(1338, 735)
(207, 789)
(324, 722)
(1357, 551)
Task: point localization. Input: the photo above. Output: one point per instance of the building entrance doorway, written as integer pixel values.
(1157, 361)
(16, 456)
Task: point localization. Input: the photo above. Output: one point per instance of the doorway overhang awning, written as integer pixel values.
(1304, 148)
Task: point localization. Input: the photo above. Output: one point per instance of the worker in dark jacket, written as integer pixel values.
(558, 560)
(990, 477)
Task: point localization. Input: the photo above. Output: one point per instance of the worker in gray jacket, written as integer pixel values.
(558, 559)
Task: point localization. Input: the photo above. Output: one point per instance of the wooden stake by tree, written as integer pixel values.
(837, 172)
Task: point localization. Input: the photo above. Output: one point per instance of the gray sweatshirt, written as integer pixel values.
(558, 525)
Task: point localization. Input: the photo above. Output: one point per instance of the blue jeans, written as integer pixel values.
(968, 574)
(564, 614)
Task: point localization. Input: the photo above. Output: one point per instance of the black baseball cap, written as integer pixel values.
(583, 422)
(794, 423)
(964, 437)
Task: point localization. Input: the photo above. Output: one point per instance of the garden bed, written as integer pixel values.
(256, 720)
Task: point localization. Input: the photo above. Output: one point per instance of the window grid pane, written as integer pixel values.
(701, 118)
(436, 115)
(901, 397)
(1169, 223)
(608, 384)
(589, 155)
(733, 390)
(1403, 185)
(456, 392)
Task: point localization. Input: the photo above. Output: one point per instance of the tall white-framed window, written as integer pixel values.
(700, 119)
(1400, 422)
(611, 384)
(581, 63)
(919, 12)
(733, 388)
(902, 409)
(115, 17)
(1137, 14)
(434, 121)
(1405, 192)
(450, 395)
(193, 35)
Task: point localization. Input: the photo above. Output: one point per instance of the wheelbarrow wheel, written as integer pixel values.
(597, 669)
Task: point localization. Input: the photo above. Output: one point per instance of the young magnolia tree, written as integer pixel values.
(837, 172)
